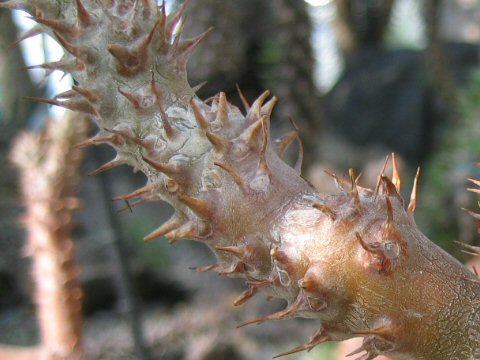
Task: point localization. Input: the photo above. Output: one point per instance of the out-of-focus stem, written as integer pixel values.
(49, 164)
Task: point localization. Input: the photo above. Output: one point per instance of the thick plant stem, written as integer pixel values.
(356, 260)
(49, 173)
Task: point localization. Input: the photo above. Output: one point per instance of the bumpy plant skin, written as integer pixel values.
(356, 260)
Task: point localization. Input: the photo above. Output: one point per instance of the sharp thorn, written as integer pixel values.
(45, 101)
(470, 253)
(78, 52)
(168, 169)
(414, 195)
(37, 30)
(172, 224)
(170, 131)
(188, 46)
(217, 141)
(237, 268)
(391, 189)
(126, 135)
(207, 268)
(261, 283)
(326, 210)
(395, 173)
(185, 231)
(144, 44)
(320, 336)
(58, 65)
(357, 351)
(475, 181)
(245, 296)
(222, 110)
(250, 134)
(57, 26)
(84, 143)
(94, 141)
(134, 99)
(90, 95)
(234, 174)
(197, 88)
(338, 183)
(472, 213)
(257, 321)
(83, 15)
(198, 206)
(284, 142)
(179, 33)
(123, 56)
(244, 100)
(82, 106)
(136, 193)
(66, 95)
(379, 178)
(380, 331)
(174, 18)
(200, 118)
(267, 108)
(263, 151)
(127, 206)
(255, 111)
(353, 184)
(107, 166)
(235, 250)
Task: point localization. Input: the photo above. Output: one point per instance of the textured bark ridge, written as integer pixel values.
(356, 260)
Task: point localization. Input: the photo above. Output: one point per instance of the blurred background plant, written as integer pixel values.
(360, 78)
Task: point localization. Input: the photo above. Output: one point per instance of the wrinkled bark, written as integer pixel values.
(356, 260)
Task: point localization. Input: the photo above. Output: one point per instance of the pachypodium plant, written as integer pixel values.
(355, 260)
(49, 166)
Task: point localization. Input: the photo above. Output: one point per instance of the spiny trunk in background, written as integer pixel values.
(355, 260)
(438, 71)
(232, 50)
(292, 74)
(49, 166)
(362, 24)
(257, 45)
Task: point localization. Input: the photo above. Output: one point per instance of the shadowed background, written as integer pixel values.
(360, 78)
